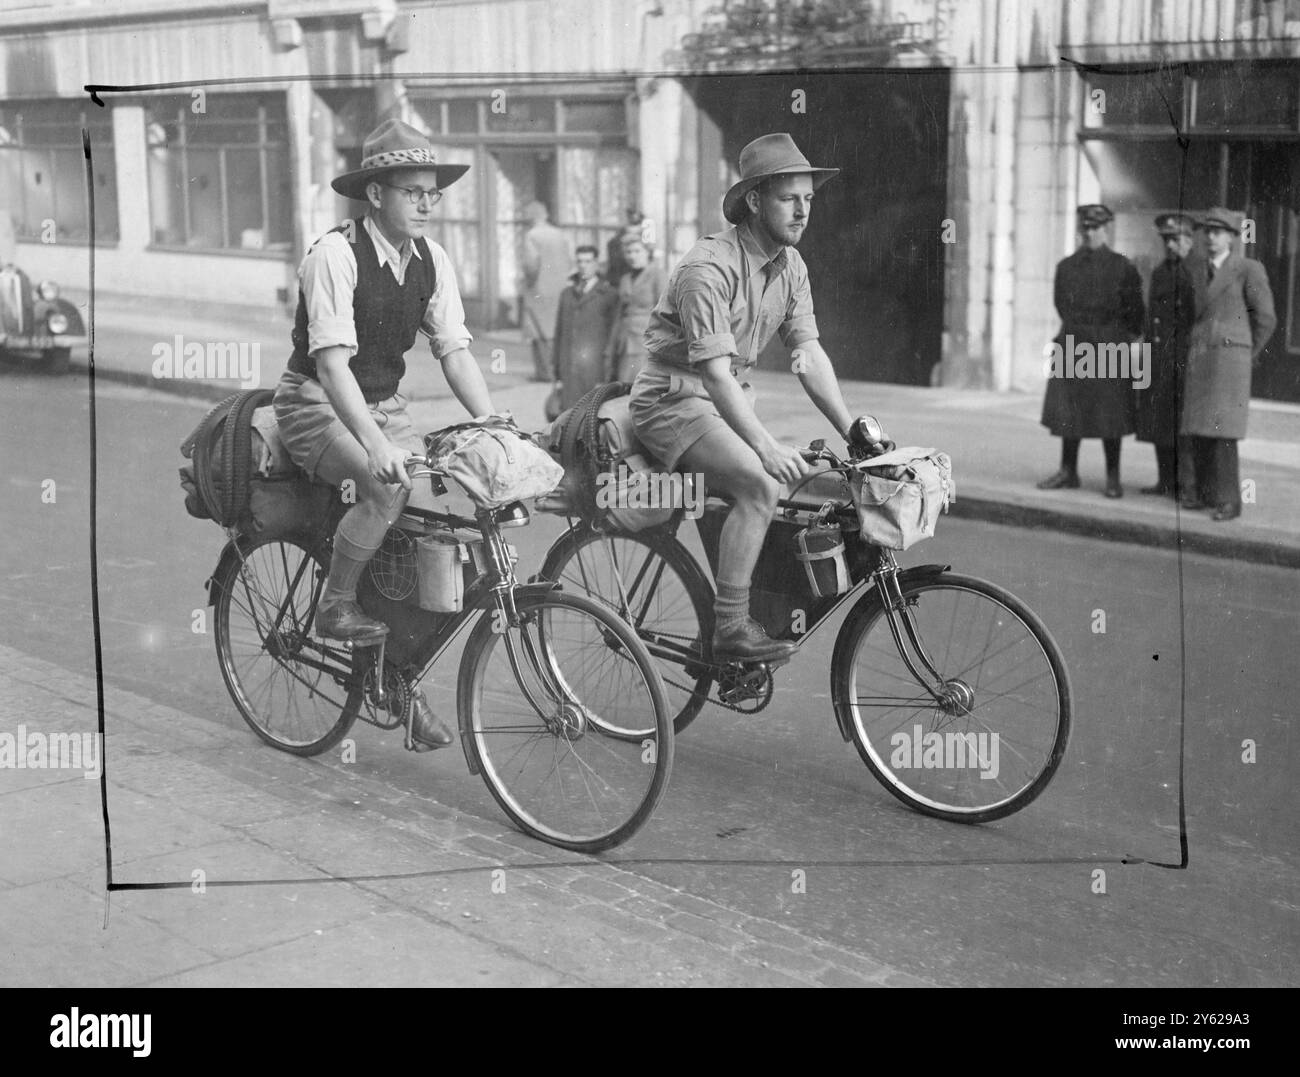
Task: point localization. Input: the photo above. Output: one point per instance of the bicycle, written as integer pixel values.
(966, 669)
(547, 686)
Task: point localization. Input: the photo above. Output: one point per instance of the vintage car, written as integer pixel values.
(36, 322)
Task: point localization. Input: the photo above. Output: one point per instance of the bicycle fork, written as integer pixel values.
(952, 697)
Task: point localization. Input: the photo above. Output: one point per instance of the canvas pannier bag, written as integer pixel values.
(606, 470)
(899, 495)
(240, 475)
(493, 461)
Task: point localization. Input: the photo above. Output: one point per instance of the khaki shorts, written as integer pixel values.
(309, 424)
(672, 410)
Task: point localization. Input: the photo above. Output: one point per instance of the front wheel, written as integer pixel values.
(993, 739)
(537, 704)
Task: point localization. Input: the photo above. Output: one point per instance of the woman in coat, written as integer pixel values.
(1099, 298)
(638, 291)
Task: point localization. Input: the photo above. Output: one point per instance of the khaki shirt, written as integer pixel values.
(728, 297)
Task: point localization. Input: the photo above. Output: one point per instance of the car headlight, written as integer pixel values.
(56, 322)
(47, 290)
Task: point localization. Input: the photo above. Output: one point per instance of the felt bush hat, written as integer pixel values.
(769, 155)
(390, 147)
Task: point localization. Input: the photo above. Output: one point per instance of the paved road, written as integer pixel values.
(1009, 903)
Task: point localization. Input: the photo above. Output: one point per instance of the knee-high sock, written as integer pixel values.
(730, 605)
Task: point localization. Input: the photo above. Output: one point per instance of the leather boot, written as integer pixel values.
(1113, 488)
(428, 731)
(1065, 479)
(344, 620)
(745, 640)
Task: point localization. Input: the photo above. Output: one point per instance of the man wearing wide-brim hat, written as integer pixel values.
(692, 407)
(366, 290)
(1234, 319)
(1171, 309)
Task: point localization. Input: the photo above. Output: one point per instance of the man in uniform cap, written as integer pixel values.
(1099, 298)
(1234, 319)
(366, 290)
(1170, 312)
(692, 407)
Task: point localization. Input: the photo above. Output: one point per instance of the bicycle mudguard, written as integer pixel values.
(230, 552)
(906, 576)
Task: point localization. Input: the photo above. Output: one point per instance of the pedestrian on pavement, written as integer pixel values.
(584, 325)
(548, 260)
(1171, 309)
(1098, 296)
(638, 292)
(1234, 319)
(615, 263)
(366, 289)
(692, 408)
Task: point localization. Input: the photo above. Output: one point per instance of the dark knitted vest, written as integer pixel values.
(387, 317)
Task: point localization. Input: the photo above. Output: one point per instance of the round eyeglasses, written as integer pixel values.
(414, 194)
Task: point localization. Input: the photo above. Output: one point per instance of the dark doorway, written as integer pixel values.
(873, 248)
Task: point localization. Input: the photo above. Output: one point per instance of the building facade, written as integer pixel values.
(966, 133)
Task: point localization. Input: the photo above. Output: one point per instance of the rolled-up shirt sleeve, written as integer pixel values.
(328, 277)
(444, 317)
(800, 325)
(704, 307)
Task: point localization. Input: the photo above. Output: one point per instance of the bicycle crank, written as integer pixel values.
(746, 688)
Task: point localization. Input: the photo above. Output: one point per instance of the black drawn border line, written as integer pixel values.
(95, 89)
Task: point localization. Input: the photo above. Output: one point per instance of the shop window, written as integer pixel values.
(219, 179)
(42, 170)
(1127, 99)
(601, 117)
(462, 117)
(527, 115)
(1246, 96)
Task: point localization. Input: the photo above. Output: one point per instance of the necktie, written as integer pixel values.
(1211, 272)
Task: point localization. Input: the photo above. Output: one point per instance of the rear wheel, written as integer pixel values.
(537, 702)
(992, 741)
(652, 582)
(287, 681)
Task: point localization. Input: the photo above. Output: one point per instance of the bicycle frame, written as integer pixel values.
(496, 590)
(887, 579)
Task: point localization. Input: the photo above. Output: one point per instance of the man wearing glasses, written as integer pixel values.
(365, 290)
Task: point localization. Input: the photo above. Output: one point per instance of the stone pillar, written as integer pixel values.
(131, 154)
(1039, 210)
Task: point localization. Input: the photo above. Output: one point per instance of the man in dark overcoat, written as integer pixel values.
(1099, 297)
(584, 329)
(1234, 319)
(1171, 309)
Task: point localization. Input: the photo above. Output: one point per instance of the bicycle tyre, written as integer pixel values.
(579, 561)
(578, 746)
(292, 706)
(1038, 741)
